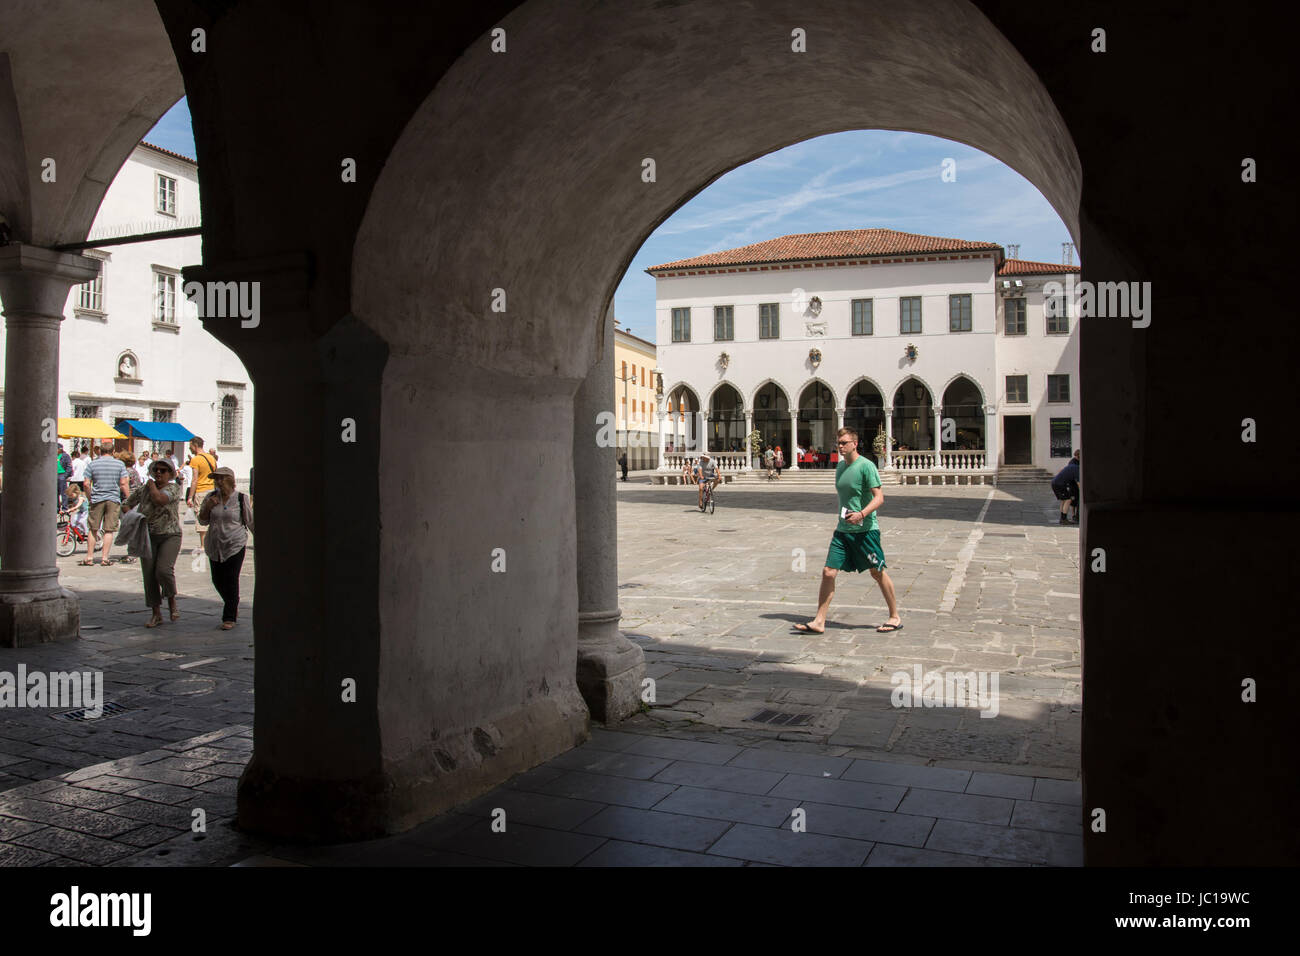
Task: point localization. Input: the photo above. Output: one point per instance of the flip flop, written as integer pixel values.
(86, 564)
(887, 628)
(805, 629)
(111, 561)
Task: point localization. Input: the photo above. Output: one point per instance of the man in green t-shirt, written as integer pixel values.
(855, 545)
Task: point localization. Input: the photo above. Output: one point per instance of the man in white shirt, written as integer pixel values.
(79, 470)
(142, 467)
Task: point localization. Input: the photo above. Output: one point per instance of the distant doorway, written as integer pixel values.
(1016, 440)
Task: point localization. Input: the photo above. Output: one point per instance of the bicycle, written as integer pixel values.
(67, 535)
(709, 503)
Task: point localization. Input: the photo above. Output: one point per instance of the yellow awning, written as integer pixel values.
(87, 428)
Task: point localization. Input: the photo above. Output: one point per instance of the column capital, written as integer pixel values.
(34, 281)
(990, 409)
(841, 412)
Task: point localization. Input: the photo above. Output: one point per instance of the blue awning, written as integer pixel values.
(157, 431)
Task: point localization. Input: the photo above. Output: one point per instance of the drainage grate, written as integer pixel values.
(111, 709)
(782, 719)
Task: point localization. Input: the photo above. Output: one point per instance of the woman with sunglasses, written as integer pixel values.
(157, 499)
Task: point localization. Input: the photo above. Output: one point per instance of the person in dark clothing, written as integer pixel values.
(1066, 488)
(622, 463)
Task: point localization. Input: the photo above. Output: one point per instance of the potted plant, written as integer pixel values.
(878, 444)
(755, 440)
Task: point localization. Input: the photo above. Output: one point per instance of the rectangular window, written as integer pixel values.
(1015, 310)
(85, 411)
(909, 315)
(1017, 389)
(1058, 317)
(959, 313)
(769, 320)
(90, 295)
(862, 317)
(164, 304)
(166, 195)
(625, 370)
(681, 325)
(1058, 388)
(161, 415)
(1061, 438)
(724, 326)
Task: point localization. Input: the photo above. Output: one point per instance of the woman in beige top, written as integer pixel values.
(158, 498)
(229, 518)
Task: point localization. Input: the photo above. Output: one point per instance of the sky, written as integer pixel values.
(861, 179)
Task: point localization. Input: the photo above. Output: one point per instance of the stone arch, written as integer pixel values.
(935, 397)
(868, 380)
(970, 378)
(753, 394)
(835, 397)
(726, 381)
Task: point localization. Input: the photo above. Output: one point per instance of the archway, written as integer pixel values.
(817, 420)
(913, 423)
(683, 420)
(964, 405)
(726, 429)
(864, 411)
(772, 418)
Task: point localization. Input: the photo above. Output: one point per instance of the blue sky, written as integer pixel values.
(856, 180)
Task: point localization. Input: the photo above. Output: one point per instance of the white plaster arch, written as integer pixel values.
(970, 378)
(889, 396)
(753, 394)
(870, 381)
(682, 383)
(708, 402)
(835, 398)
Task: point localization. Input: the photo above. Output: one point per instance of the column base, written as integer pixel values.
(449, 770)
(28, 619)
(610, 668)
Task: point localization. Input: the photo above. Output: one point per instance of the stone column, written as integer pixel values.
(938, 436)
(991, 437)
(663, 464)
(889, 437)
(610, 667)
(34, 284)
(749, 428)
(701, 432)
(792, 453)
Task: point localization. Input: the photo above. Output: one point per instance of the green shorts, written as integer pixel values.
(856, 551)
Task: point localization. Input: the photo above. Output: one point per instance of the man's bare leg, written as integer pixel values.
(827, 591)
(887, 589)
(108, 546)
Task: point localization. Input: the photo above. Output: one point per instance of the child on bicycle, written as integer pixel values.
(78, 509)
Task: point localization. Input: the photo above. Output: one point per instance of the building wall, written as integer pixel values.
(180, 366)
(984, 354)
(634, 355)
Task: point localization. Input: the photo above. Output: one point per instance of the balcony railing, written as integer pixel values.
(728, 462)
(949, 461)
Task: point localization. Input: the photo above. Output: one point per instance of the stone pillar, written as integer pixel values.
(610, 667)
(701, 432)
(663, 463)
(792, 453)
(749, 429)
(889, 437)
(991, 437)
(938, 436)
(34, 284)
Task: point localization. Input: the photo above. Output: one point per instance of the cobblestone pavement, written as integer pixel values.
(693, 781)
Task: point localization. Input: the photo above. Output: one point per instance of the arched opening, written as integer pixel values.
(963, 405)
(772, 418)
(914, 425)
(726, 420)
(683, 412)
(816, 423)
(864, 411)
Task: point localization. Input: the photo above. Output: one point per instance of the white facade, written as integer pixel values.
(911, 394)
(134, 348)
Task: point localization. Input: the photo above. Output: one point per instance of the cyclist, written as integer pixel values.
(706, 472)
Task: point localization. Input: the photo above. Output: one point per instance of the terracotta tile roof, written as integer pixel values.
(1026, 267)
(168, 152)
(847, 243)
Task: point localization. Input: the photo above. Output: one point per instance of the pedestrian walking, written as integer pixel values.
(157, 499)
(106, 478)
(622, 463)
(855, 545)
(203, 463)
(769, 461)
(142, 467)
(63, 467)
(79, 463)
(779, 461)
(1066, 488)
(229, 517)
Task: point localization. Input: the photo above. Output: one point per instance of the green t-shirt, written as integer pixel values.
(853, 483)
